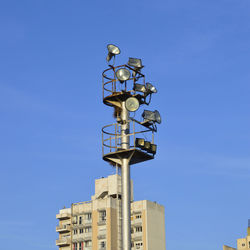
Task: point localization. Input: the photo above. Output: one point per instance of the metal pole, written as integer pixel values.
(126, 199)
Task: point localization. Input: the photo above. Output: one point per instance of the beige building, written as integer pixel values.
(242, 243)
(96, 224)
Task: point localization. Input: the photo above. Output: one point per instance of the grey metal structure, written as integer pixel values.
(119, 139)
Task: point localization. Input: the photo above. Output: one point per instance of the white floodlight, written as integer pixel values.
(132, 104)
(135, 62)
(122, 74)
(113, 50)
(150, 88)
(153, 116)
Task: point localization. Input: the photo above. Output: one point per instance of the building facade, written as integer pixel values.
(96, 224)
(242, 243)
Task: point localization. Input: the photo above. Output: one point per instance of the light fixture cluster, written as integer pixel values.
(140, 94)
(146, 145)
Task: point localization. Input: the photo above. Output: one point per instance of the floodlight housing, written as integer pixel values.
(147, 145)
(153, 148)
(135, 62)
(153, 116)
(139, 142)
(122, 74)
(150, 88)
(113, 50)
(139, 87)
(132, 104)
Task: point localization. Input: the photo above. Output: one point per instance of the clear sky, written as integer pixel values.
(197, 53)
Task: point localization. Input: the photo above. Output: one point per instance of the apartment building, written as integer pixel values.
(96, 224)
(242, 243)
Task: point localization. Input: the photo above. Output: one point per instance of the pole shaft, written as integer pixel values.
(126, 193)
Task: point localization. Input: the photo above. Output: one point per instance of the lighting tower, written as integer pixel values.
(128, 141)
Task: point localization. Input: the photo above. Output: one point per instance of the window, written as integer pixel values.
(87, 229)
(75, 231)
(138, 245)
(138, 216)
(88, 243)
(81, 246)
(103, 244)
(138, 229)
(88, 216)
(102, 215)
(81, 230)
(74, 246)
(80, 220)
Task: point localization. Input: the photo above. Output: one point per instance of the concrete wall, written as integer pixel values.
(228, 248)
(155, 226)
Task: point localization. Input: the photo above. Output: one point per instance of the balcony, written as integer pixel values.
(87, 222)
(136, 222)
(63, 228)
(101, 236)
(87, 236)
(63, 216)
(63, 242)
(137, 236)
(102, 222)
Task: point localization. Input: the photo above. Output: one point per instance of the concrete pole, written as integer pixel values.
(126, 193)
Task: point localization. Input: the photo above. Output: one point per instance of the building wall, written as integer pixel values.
(242, 243)
(155, 226)
(146, 217)
(228, 248)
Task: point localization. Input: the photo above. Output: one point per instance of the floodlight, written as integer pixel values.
(147, 145)
(139, 142)
(122, 74)
(150, 88)
(157, 117)
(132, 104)
(153, 148)
(135, 62)
(113, 50)
(139, 87)
(153, 116)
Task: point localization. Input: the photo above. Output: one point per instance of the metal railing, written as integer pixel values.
(111, 85)
(111, 136)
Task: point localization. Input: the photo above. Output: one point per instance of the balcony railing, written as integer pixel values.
(136, 221)
(137, 236)
(63, 242)
(63, 216)
(87, 222)
(63, 228)
(102, 222)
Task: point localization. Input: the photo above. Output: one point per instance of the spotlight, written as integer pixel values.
(147, 145)
(113, 50)
(139, 87)
(139, 142)
(150, 88)
(153, 116)
(122, 74)
(153, 148)
(132, 104)
(135, 62)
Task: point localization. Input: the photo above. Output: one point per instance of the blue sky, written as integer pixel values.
(197, 53)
